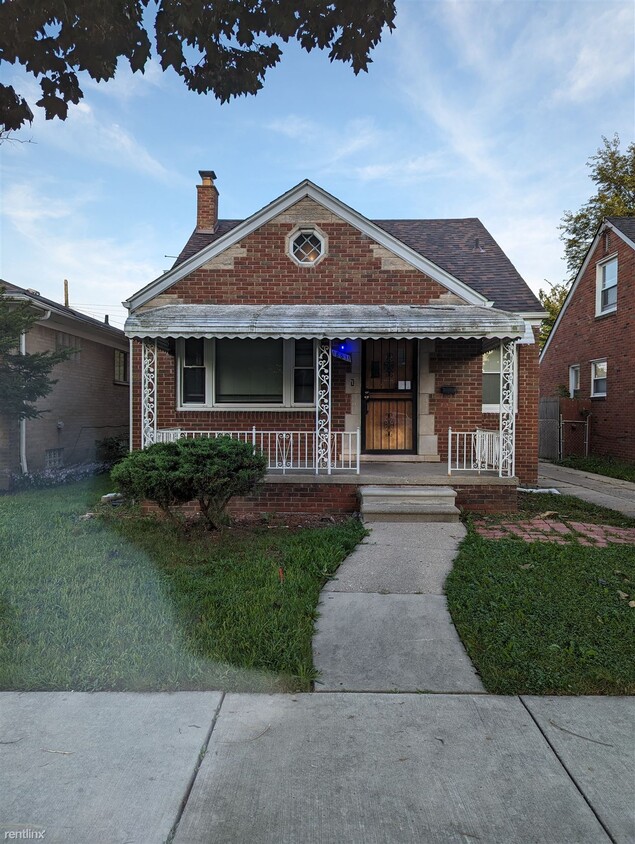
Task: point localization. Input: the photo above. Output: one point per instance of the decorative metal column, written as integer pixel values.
(148, 392)
(507, 414)
(323, 408)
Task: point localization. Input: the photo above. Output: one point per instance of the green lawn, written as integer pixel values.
(609, 466)
(540, 618)
(127, 603)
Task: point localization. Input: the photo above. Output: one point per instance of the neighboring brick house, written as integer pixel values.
(334, 342)
(90, 401)
(590, 352)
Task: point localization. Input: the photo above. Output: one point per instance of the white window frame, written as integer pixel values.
(209, 358)
(495, 408)
(594, 363)
(599, 285)
(574, 376)
(307, 229)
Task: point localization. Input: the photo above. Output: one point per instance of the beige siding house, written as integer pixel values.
(89, 402)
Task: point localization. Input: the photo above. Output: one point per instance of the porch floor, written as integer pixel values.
(388, 473)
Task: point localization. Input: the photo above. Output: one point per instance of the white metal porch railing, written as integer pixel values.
(473, 451)
(286, 450)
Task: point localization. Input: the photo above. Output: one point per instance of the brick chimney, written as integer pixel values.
(207, 202)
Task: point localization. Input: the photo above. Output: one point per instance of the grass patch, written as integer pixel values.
(555, 626)
(567, 507)
(609, 466)
(124, 602)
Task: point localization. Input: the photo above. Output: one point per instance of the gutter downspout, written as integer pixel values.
(23, 464)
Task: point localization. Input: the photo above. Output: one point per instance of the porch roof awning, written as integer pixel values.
(325, 321)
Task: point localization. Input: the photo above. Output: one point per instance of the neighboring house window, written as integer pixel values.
(598, 378)
(53, 458)
(492, 381)
(247, 373)
(68, 341)
(306, 245)
(574, 380)
(121, 367)
(606, 287)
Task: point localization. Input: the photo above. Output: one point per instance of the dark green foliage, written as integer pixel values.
(610, 466)
(210, 471)
(552, 301)
(614, 174)
(23, 378)
(112, 450)
(223, 47)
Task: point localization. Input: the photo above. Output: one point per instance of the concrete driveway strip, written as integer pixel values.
(383, 643)
(382, 769)
(102, 767)
(596, 489)
(594, 738)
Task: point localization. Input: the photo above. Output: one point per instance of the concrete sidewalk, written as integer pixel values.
(596, 489)
(384, 624)
(324, 769)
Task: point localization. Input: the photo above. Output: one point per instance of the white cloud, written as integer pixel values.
(126, 85)
(601, 54)
(45, 239)
(89, 133)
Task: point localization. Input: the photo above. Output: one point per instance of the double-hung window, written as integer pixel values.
(606, 287)
(599, 372)
(246, 374)
(491, 383)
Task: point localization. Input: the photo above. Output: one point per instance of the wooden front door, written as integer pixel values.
(389, 392)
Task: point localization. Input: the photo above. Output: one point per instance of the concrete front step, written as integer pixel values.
(408, 503)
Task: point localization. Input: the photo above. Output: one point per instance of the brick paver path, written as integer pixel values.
(547, 530)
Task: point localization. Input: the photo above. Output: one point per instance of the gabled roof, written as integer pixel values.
(477, 269)
(624, 227)
(33, 296)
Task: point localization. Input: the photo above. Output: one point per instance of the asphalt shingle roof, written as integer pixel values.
(462, 247)
(625, 225)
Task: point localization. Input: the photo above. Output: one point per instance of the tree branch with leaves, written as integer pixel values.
(613, 172)
(24, 378)
(222, 47)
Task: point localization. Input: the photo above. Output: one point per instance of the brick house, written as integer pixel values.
(590, 351)
(351, 351)
(90, 401)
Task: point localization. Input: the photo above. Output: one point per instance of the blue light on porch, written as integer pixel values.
(342, 352)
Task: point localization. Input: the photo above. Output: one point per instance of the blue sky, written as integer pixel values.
(486, 108)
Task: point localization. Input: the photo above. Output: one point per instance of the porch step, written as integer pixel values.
(408, 504)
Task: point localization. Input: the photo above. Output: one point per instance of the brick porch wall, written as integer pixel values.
(340, 499)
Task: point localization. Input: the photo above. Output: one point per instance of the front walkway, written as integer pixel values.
(596, 489)
(384, 624)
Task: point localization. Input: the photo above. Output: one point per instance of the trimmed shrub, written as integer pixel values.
(112, 450)
(210, 471)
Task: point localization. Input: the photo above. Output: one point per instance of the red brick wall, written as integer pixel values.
(582, 337)
(459, 363)
(337, 499)
(258, 271)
